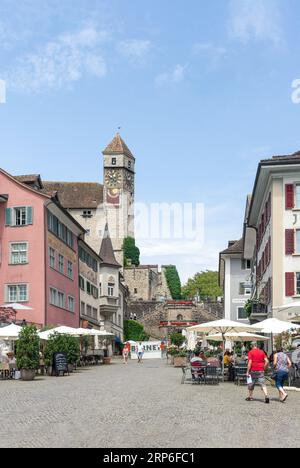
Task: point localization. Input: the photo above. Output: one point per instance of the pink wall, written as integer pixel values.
(56, 315)
(34, 272)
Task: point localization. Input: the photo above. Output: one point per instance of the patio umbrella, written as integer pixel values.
(274, 326)
(221, 326)
(239, 337)
(15, 306)
(191, 340)
(45, 335)
(10, 333)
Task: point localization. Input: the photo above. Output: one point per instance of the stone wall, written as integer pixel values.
(146, 283)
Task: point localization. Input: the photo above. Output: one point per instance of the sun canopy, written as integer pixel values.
(10, 333)
(275, 326)
(77, 332)
(239, 337)
(15, 306)
(221, 326)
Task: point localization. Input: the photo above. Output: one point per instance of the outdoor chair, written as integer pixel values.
(241, 375)
(198, 372)
(211, 376)
(4, 371)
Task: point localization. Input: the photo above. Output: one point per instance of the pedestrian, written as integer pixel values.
(131, 316)
(140, 349)
(257, 364)
(163, 349)
(282, 364)
(134, 316)
(125, 354)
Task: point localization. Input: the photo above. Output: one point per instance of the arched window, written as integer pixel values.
(180, 318)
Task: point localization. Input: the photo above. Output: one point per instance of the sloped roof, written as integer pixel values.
(30, 179)
(76, 194)
(236, 247)
(118, 146)
(284, 157)
(106, 251)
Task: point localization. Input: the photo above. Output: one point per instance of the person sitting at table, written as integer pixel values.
(196, 362)
(10, 360)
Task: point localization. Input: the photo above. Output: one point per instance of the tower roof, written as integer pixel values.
(106, 251)
(118, 146)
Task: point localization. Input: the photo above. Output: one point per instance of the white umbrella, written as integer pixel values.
(274, 326)
(191, 340)
(10, 333)
(221, 326)
(15, 306)
(60, 330)
(239, 337)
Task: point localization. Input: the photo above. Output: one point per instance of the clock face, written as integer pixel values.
(113, 178)
(129, 180)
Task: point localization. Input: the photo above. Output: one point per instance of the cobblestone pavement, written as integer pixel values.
(141, 405)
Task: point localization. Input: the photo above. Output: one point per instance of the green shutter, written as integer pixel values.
(8, 217)
(29, 215)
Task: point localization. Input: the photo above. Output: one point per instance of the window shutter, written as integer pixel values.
(289, 197)
(8, 217)
(29, 215)
(289, 241)
(290, 284)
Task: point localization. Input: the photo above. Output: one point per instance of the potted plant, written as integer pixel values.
(28, 352)
(180, 359)
(67, 344)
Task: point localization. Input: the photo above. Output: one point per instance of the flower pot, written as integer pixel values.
(70, 368)
(27, 374)
(179, 361)
(107, 360)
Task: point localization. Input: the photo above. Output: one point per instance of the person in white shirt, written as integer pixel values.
(140, 351)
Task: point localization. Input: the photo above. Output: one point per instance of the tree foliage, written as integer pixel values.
(131, 252)
(177, 339)
(203, 284)
(134, 331)
(173, 281)
(66, 344)
(28, 348)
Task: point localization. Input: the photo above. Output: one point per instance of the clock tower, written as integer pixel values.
(118, 193)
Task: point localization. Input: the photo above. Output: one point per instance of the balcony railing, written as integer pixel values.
(259, 309)
(109, 305)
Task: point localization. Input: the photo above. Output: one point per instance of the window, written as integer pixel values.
(180, 318)
(298, 241)
(297, 196)
(52, 257)
(242, 314)
(111, 289)
(135, 291)
(88, 287)
(61, 300)
(81, 283)
(94, 292)
(119, 320)
(70, 270)
(71, 303)
(245, 289)
(88, 310)
(19, 253)
(59, 230)
(53, 296)
(17, 293)
(20, 216)
(298, 283)
(61, 263)
(114, 161)
(87, 214)
(129, 164)
(95, 311)
(82, 308)
(246, 264)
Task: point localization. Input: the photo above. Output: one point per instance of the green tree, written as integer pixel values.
(177, 339)
(204, 284)
(134, 331)
(28, 348)
(131, 252)
(59, 343)
(173, 281)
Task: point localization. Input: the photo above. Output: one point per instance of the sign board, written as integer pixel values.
(152, 350)
(60, 363)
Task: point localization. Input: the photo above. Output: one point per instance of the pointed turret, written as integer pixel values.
(118, 146)
(106, 251)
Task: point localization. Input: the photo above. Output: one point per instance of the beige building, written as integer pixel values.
(272, 238)
(147, 283)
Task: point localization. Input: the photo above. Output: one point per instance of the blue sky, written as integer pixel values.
(202, 91)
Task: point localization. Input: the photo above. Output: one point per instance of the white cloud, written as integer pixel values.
(255, 19)
(175, 76)
(60, 62)
(134, 49)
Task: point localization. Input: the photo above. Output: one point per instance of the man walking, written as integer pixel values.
(257, 364)
(140, 351)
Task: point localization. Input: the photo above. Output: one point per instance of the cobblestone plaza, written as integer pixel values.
(141, 406)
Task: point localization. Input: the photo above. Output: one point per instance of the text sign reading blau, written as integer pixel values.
(152, 350)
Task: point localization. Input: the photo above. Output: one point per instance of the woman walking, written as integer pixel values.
(125, 353)
(282, 364)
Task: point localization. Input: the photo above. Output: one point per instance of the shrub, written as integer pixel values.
(177, 339)
(28, 348)
(67, 344)
(134, 331)
(131, 252)
(173, 281)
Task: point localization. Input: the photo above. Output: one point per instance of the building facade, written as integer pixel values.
(235, 281)
(272, 237)
(39, 253)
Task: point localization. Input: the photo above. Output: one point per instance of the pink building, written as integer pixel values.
(38, 252)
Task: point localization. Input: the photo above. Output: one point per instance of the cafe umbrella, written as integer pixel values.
(274, 326)
(238, 337)
(221, 326)
(10, 333)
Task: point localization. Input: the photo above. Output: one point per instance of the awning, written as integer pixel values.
(118, 340)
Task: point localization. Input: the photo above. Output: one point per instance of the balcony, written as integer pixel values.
(259, 311)
(108, 305)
